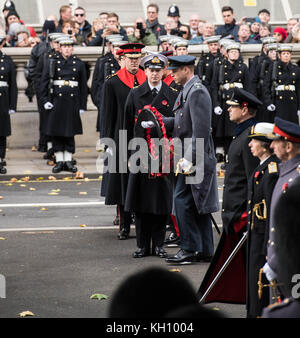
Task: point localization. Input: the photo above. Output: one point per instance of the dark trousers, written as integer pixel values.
(63, 143)
(124, 218)
(2, 146)
(195, 229)
(150, 227)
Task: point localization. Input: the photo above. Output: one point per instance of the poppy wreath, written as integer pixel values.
(168, 147)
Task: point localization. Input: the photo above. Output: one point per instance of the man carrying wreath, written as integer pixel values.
(149, 195)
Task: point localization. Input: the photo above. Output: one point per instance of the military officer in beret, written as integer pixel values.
(192, 111)
(282, 86)
(148, 196)
(8, 100)
(65, 105)
(116, 90)
(233, 73)
(286, 146)
(231, 287)
(261, 187)
(288, 251)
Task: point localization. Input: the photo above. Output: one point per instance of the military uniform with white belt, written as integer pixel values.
(233, 74)
(8, 100)
(66, 104)
(282, 87)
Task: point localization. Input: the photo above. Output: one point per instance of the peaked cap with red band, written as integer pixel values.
(286, 130)
(133, 50)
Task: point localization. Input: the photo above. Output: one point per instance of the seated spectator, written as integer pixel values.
(142, 34)
(150, 294)
(292, 22)
(264, 32)
(280, 34)
(193, 23)
(171, 26)
(184, 32)
(244, 34)
(84, 26)
(152, 20)
(65, 13)
(296, 33)
(264, 16)
(209, 30)
(112, 27)
(103, 18)
(230, 28)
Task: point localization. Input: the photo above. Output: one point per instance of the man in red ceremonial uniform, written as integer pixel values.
(116, 91)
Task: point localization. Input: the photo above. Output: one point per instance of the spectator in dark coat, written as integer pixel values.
(85, 27)
(152, 21)
(230, 27)
(65, 13)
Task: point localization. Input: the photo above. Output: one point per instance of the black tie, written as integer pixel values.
(154, 92)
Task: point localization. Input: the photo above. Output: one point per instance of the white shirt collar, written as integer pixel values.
(158, 87)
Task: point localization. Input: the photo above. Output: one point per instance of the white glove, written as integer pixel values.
(48, 105)
(298, 113)
(81, 111)
(218, 110)
(11, 111)
(185, 165)
(271, 107)
(270, 274)
(109, 151)
(147, 124)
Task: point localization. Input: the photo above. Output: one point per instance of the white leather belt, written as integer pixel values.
(232, 85)
(65, 83)
(3, 84)
(286, 87)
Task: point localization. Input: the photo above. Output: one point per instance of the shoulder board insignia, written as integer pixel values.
(110, 76)
(272, 167)
(198, 85)
(174, 89)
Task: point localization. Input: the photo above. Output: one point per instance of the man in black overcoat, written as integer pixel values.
(149, 197)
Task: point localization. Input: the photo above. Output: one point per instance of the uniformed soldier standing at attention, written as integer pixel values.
(116, 90)
(106, 66)
(193, 202)
(65, 105)
(282, 86)
(8, 100)
(180, 46)
(149, 197)
(288, 252)
(261, 187)
(232, 74)
(231, 287)
(286, 147)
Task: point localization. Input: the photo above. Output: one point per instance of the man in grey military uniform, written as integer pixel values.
(286, 146)
(195, 201)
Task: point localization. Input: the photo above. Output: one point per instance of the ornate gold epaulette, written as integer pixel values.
(198, 85)
(272, 167)
(110, 76)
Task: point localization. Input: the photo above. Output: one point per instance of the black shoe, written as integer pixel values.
(3, 162)
(58, 168)
(116, 220)
(123, 234)
(182, 257)
(74, 162)
(172, 239)
(140, 252)
(49, 155)
(42, 148)
(201, 257)
(70, 167)
(2, 169)
(159, 252)
(220, 157)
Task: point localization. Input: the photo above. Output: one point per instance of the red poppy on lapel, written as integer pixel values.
(164, 102)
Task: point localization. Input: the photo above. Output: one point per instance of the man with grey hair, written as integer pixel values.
(193, 23)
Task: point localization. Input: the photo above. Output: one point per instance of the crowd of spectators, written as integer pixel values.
(146, 30)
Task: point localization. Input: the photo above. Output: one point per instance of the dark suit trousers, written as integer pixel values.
(2, 146)
(150, 226)
(195, 230)
(63, 143)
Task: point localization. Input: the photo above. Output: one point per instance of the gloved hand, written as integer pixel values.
(298, 112)
(48, 105)
(147, 124)
(109, 151)
(218, 110)
(271, 107)
(185, 165)
(11, 111)
(81, 111)
(270, 274)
